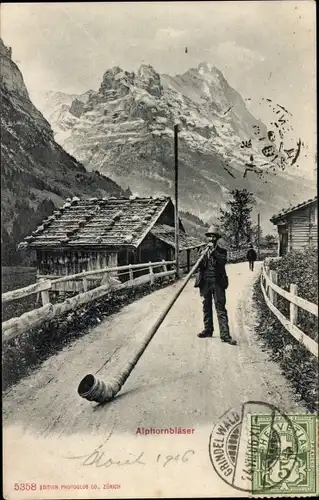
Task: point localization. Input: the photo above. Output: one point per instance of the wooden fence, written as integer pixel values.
(104, 282)
(271, 290)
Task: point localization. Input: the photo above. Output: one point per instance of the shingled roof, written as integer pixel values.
(113, 222)
(287, 211)
(167, 234)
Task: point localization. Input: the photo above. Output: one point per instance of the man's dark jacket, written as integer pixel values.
(212, 271)
(251, 255)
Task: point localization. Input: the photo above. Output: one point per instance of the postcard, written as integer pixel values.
(159, 250)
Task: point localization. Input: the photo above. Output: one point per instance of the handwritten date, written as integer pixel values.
(98, 458)
(177, 458)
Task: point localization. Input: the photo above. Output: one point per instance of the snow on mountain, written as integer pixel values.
(125, 130)
(62, 110)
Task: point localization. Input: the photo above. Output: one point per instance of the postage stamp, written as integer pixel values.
(284, 455)
(260, 450)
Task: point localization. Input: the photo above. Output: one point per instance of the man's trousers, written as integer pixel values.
(218, 293)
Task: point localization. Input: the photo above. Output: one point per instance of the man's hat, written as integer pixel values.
(212, 230)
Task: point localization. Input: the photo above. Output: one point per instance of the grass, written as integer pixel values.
(17, 277)
(12, 279)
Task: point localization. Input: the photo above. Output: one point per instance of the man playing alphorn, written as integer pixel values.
(212, 282)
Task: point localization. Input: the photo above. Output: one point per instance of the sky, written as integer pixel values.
(265, 49)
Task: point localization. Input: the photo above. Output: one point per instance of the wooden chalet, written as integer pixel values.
(92, 234)
(297, 226)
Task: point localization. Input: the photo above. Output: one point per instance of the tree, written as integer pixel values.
(235, 222)
(26, 220)
(270, 240)
(127, 192)
(254, 234)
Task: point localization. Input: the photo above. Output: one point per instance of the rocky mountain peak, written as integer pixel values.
(206, 71)
(212, 75)
(84, 97)
(126, 131)
(5, 51)
(116, 82)
(13, 87)
(11, 77)
(76, 108)
(150, 80)
(207, 68)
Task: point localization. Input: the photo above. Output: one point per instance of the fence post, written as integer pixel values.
(266, 274)
(164, 266)
(151, 272)
(266, 265)
(130, 271)
(45, 297)
(188, 253)
(85, 285)
(293, 308)
(106, 279)
(272, 293)
(262, 278)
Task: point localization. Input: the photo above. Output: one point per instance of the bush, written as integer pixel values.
(299, 268)
(299, 366)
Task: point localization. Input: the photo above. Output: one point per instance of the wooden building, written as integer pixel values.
(297, 226)
(92, 234)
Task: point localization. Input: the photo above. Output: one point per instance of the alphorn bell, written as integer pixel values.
(93, 389)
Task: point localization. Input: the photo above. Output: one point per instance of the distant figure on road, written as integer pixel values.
(212, 281)
(251, 257)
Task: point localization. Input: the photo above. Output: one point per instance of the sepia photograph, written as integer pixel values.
(159, 249)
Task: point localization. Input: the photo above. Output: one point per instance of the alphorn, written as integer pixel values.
(93, 389)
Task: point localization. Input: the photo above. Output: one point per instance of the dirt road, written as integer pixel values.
(180, 381)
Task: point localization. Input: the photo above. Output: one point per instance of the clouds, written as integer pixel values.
(229, 53)
(262, 47)
(166, 38)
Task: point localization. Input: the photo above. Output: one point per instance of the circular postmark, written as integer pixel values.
(254, 448)
(271, 143)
